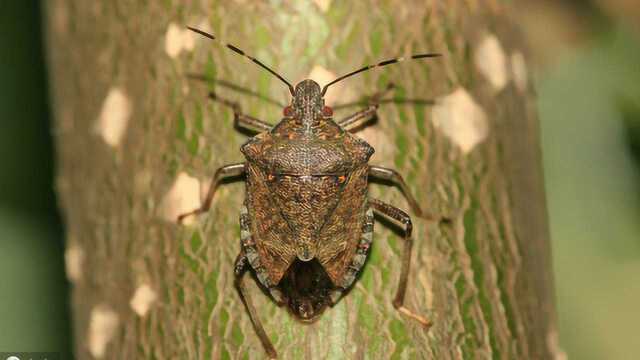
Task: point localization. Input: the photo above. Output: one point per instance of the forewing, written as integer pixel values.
(273, 236)
(341, 233)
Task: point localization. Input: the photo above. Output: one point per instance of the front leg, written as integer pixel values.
(221, 174)
(363, 116)
(400, 216)
(393, 176)
(241, 120)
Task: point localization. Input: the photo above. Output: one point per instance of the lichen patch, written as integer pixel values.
(491, 61)
(519, 70)
(142, 299)
(103, 325)
(73, 260)
(114, 117)
(183, 197)
(177, 40)
(461, 119)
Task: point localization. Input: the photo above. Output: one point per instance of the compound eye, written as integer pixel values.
(288, 111)
(327, 111)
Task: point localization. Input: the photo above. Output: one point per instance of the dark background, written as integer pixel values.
(586, 55)
(33, 289)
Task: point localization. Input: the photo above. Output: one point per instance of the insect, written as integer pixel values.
(307, 221)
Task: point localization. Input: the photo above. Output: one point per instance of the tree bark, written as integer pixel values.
(485, 280)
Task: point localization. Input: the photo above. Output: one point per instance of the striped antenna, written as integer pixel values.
(382, 63)
(238, 51)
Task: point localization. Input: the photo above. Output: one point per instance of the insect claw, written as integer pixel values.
(422, 320)
(184, 216)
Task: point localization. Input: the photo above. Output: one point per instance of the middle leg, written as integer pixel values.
(393, 176)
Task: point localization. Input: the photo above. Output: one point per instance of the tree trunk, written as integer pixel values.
(137, 139)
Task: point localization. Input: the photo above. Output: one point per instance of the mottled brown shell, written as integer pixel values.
(306, 198)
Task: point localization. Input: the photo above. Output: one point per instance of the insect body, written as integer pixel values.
(307, 222)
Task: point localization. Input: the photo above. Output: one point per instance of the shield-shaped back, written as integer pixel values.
(308, 203)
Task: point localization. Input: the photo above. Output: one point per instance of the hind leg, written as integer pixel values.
(400, 216)
(241, 267)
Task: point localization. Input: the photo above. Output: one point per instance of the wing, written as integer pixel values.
(271, 233)
(341, 233)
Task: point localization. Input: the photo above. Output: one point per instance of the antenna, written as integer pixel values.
(238, 51)
(382, 63)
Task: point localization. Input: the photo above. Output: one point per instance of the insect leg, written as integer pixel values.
(396, 214)
(363, 116)
(241, 267)
(221, 173)
(394, 177)
(241, 120)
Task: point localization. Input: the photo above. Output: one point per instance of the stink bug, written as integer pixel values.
(307, 222)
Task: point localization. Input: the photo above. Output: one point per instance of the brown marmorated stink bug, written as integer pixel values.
(307, 222)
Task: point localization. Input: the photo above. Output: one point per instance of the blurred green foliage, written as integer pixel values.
(593, 188)
(630, 112)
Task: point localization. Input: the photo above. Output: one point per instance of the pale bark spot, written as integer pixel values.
(491, 61)
(324, 5)
(553, 343)
(379, 139)
(142, 299)
(103, 325)
(519, 69)
(74, 259)
(461, 119)
(114, 117)
(323, 76)
(178, 39)
(183, 197)
(336, 94)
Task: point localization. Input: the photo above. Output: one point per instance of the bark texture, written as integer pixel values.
(485, 280)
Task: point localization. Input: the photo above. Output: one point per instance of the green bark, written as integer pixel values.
(485, 280)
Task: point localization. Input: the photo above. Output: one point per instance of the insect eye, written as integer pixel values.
(288, 111)
(327, 111)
